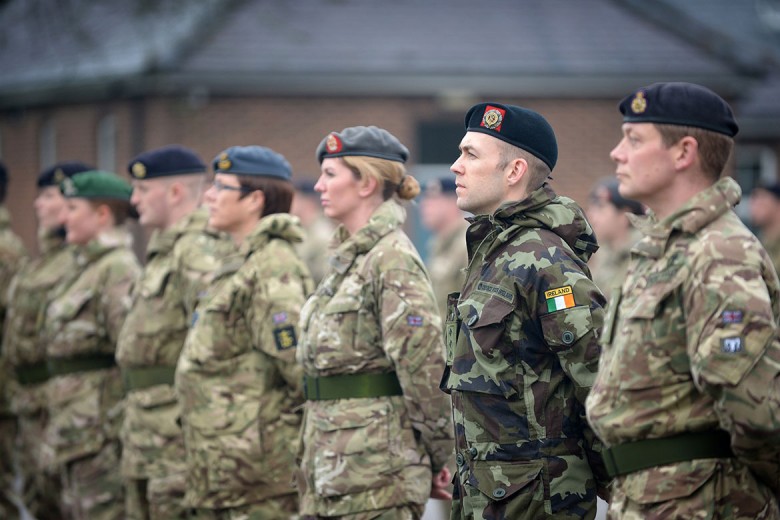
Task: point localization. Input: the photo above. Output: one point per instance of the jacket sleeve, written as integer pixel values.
(734, 350)
(412, 338)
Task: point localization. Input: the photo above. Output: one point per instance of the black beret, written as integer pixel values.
(609, 191)
(54, 175)
(367, 141)
(773, 188)
(168, 160)
(253, 160)
(439, 185)
(682, 104)
(517, 126)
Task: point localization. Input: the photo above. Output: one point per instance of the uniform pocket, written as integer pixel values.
(670, 482)
(563, 328)
(518, 483)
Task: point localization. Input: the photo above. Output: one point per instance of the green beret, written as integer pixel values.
(369, 141)
(676, 103)
(96, 185)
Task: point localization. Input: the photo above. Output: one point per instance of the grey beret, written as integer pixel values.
(363, 140)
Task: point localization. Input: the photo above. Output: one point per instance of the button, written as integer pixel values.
(472, 320)
(567, 337)
(459, 459)
(473, 452)
(499, 493)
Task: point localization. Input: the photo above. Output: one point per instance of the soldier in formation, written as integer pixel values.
(28, 296)
(181, 256)
(686, 399)
(80, 330)
(521, 336)
(237, 381)
(765, 216)
(377, 432)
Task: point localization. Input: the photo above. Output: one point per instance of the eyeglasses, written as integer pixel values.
(220, 187)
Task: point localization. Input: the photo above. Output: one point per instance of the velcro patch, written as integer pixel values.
(285, 337)
(729, 316)
(414, 321)
(731, 345)
(279, 317)
(559, 299)
(496, 290)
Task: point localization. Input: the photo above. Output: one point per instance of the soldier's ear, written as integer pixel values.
(367, 186)
(516, 171)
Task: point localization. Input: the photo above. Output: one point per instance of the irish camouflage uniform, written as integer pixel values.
(238, 383)
(84, 391)
(376, 426)
(29, 295)
(447, 264)
(12, 255)
(179, 264)
(522, 354)
(691, 365)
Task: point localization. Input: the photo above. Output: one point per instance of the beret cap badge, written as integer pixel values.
(139, 170)
(68, 188)
(333, 144)
(224, 163)
(493, 118)
(59, 175)
(639, 103)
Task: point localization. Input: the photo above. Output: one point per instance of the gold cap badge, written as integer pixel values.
(639, 103)
(139, 170)
(493, 118)
(59, 176)
(224, 163)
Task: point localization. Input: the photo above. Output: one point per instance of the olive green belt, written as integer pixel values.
(639, 455)
(143, 377)
(71, 365)
(349, 386)
(32, 373)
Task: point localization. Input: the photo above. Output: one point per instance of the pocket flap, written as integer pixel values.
(564, 328)
(668, 482)
(492, 312)
(499, 479)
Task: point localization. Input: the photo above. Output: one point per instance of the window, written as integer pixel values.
(106, 143)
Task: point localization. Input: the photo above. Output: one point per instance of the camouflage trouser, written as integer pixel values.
(92, 487)
(279, 508)
(8, 508)
(42, 491)
(155, 498)
(407, 512)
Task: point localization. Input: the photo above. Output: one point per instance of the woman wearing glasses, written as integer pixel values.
(237, 379)
(377, 431)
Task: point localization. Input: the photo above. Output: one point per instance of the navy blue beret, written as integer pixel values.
(682, 104)
(773, 188)
(168, 160)
(517, 126)
(253, 160)
(609, 191)
(369, 141)
(438, 186)
(305, 186)
(54, 175)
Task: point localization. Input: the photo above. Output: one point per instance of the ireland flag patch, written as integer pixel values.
(559, 299)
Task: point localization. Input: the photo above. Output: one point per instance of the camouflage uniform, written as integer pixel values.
(522, 354)
(447, 264)
(772, 246)
(28, 295)
(12, 255)
(313, 250)
(373, 313)
(609, 265)
(179, 264)
(238, 383)
(691, 346)
(85, 390)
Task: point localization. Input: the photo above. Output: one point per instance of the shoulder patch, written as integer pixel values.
(729, 316)
(414, 321)
(731, 345)
(285, 337)
(497, 291)
(559, 299)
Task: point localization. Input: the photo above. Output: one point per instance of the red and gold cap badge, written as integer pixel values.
(224, 163)
(493, 118)
(139, 170)
(639, 103)
(333, 144)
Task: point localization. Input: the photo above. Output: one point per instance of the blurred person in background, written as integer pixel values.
(608, 212)
(237, 381)
(377, 433)
(319, 229)
(54, 267)
(765, 216)
(12, 256)
(447, 255)
(181, 257)
(80, 330)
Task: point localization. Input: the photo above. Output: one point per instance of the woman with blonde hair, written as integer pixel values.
(377, 430)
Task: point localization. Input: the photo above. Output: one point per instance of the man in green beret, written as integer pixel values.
(54, 267)
(182, 255)
(80, 329)
(12, 255)
(686, 399)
